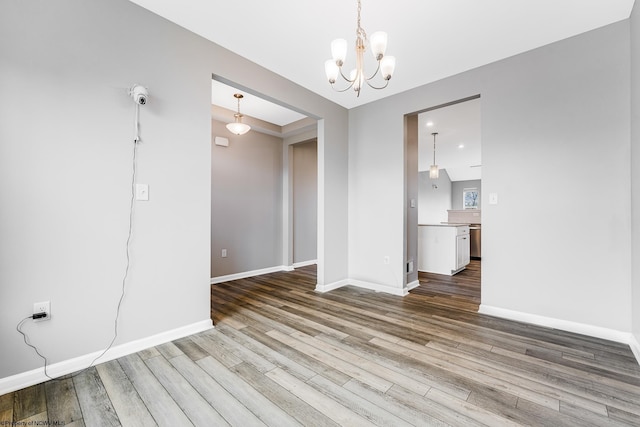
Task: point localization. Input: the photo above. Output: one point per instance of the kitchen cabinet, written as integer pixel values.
(463, 251)
(443, 248)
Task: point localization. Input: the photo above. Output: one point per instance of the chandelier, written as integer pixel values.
(356, 79)
(237, 126)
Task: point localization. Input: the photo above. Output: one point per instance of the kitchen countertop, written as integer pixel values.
(445, 224)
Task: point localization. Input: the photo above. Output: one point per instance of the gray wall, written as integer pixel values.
(457, 188)
(246, 202)
(541, 111)
(66, 137)
(434, 202)
(412, 197)
(65, 169)
(635, 168)
(305, 201)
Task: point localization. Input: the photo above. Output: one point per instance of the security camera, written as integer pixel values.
(139, 94)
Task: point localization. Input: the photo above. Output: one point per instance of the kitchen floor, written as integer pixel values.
(460, 290)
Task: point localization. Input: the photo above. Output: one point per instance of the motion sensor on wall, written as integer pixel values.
(139, 94)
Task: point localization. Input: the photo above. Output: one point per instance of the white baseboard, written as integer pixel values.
(304, 263)
(331, 286)
(368, 285)
(36, 376)
(412, 285)
(378, 288)
(252, 273)
(563, 325)
(635, 347)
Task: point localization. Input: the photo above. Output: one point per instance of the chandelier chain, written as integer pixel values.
(360, 31)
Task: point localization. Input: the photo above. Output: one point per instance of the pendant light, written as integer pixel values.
(237, 127)
(433, 170)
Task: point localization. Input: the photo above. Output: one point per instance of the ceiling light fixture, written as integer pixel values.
(378, 43)
(433, 170)
(237, 126)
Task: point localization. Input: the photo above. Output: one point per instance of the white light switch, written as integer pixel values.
(142, 192)
(413, 203)
(493, 198)
(223, 254)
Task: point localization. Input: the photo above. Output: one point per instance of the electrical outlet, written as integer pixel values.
(410, 266)
(142, 192)
(42, 307)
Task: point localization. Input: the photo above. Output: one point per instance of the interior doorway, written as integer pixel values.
(305, 203)
(449, 143)
(253, 177)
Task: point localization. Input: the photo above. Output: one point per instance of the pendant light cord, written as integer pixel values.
(434, 147)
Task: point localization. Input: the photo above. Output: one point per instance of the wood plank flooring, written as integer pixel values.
(461, 291)
(283, 355)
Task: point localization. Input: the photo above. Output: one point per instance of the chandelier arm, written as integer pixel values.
(343, 90)
(377, 87)
(375, 74)
(346, 78)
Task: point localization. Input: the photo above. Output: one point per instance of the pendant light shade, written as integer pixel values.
(434, 173)
(237, 127)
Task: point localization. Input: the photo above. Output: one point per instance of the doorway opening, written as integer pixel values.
(449, 202)
(260, 221)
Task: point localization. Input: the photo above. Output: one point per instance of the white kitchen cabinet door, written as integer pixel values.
(463, 250)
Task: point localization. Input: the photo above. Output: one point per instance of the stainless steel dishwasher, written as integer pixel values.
(475, 232)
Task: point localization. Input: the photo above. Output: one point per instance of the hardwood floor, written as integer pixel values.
(283, 355)
(461, 291)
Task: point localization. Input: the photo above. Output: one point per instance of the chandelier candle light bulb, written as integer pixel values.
(377, 42)
(339, 51)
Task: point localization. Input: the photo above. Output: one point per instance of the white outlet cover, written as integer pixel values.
(39, 307)
(142, 192)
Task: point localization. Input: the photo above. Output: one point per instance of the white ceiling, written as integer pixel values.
(251, 105)
(430, 39)
(457, 143)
